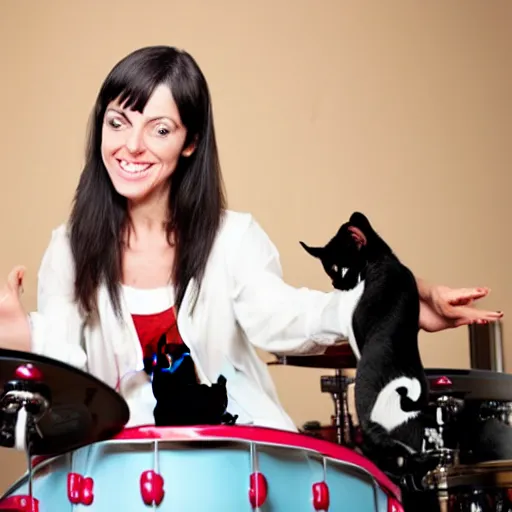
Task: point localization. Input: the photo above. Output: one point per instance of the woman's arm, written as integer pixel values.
(277, 317)
(424, 289)
(54, 330)
(57, 324)
(282, 319)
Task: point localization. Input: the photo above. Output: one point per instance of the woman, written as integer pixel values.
(149, 235)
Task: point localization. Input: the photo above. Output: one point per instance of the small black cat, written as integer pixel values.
(391, 389)
(180, 399)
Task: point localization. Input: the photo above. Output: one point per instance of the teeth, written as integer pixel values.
(132, 167)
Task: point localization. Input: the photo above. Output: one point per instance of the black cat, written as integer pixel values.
(391, 389)
(180, 399)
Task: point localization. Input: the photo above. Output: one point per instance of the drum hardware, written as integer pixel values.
(23, 402)
(486, 346)
(258, 485)
(337, 357)
(337, 386)
(482, 427)
(446, 410)
(65, 407)
(458, 469)
(438, 451)
(484, 487)
(48, 407)
(492, 409)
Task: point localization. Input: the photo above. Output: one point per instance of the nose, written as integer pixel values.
(135, 143)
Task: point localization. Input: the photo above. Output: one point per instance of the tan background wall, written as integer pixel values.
(399, 109)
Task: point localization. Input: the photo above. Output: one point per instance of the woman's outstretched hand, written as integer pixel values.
(444, 308)
(14, 324)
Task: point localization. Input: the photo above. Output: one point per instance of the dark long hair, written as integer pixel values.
(99, 218)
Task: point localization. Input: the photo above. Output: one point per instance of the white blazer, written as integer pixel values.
(243, 303)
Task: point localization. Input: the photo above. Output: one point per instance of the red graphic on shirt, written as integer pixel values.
(150, 328)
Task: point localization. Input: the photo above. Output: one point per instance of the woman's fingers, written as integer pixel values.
(463, 295)
(15, 279)
(473, 315)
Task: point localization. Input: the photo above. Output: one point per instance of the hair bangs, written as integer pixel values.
(133, 83)
(130, 94)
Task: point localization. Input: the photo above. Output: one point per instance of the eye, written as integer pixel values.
(334, 268)
(115, 123)
(344, 271)
(163, 131)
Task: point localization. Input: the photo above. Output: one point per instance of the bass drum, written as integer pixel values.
(214, 469)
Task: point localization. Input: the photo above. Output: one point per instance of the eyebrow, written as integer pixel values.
(119, 112)
(150, 120)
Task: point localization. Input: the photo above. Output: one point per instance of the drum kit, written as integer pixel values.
(465, 464)
(81, 455)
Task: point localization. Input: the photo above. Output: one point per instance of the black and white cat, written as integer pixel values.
(391, 389)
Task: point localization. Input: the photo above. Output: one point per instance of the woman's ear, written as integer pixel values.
(188, 150)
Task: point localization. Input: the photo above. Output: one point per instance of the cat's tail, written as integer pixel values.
(389, 454)
(397, 403)
(393, 432)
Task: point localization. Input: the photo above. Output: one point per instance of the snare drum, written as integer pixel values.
(217, 468)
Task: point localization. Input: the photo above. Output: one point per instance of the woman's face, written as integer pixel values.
(141, 150)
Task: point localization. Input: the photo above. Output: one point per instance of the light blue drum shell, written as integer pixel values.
(202, 476)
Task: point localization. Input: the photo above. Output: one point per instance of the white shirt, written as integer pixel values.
(243, 304)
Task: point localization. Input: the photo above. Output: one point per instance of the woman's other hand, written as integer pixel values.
(14, 324)
(443, 307)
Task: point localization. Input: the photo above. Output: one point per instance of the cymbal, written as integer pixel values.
(335, 357)
(67, 408)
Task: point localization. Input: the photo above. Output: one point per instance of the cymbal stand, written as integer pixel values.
(337, 386)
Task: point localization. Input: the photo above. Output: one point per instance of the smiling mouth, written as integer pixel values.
(134, 167)
(133, 170)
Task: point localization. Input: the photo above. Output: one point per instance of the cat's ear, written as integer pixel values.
(358, 236)
(316, 252)
(360, 228)
(359, 220)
